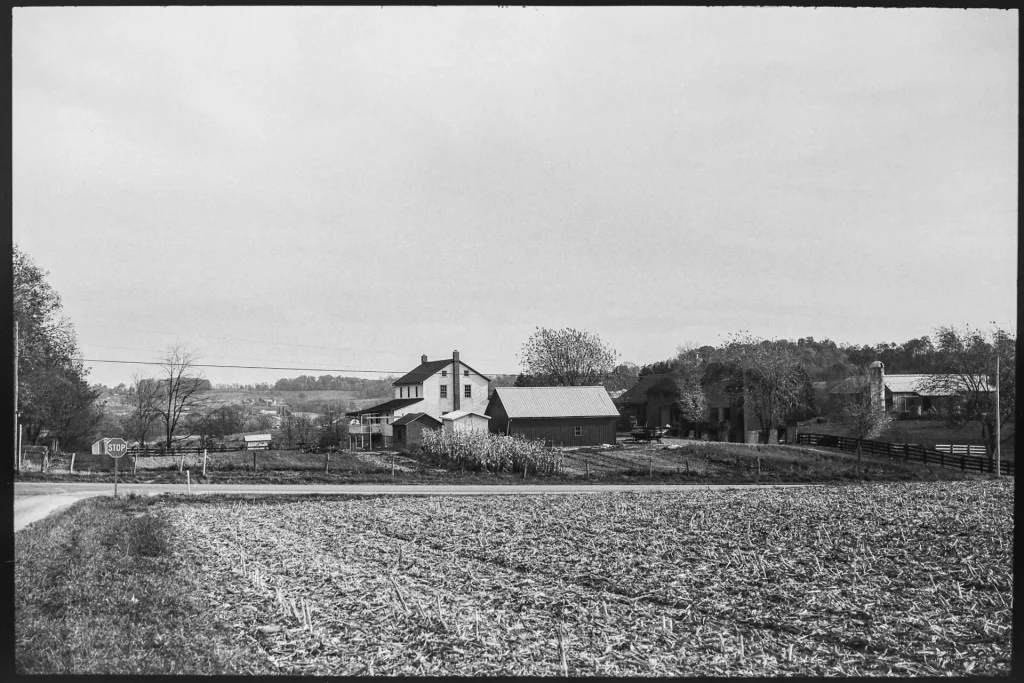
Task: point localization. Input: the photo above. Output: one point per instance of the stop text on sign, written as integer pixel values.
(116, 448)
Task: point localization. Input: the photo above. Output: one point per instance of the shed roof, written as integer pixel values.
(417, 417)
(456, 414)
(638, 392)
(524, 402)
(426, 370)
(388, 406)
(256, 437)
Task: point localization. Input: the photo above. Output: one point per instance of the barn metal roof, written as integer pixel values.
(524, 402)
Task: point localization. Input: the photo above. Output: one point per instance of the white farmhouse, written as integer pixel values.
(434, 388)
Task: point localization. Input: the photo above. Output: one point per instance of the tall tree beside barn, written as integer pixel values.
(53, 395)
(687, 371)
(967, 357)
(567, 357)
(776, 388)
(182, 390)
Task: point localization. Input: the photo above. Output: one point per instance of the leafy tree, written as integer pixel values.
(968, 358)
(688, 372)
(624, 376)
(862, 417)
(53, 396)
(776, 388)
(567, 357)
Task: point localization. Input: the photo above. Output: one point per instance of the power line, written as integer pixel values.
(252, 367)
(253, 341)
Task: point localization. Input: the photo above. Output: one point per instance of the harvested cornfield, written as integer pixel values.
(886, 579)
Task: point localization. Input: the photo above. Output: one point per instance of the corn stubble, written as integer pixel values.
(887, 579)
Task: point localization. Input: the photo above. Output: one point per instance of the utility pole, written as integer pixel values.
(17, 458)
(997, 413)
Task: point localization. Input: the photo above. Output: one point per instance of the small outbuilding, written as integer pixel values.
(407, 431)
(100, 447)
(465, 421)
(561, 416)
(255, 442)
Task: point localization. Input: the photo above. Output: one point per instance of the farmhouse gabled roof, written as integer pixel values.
(426, 370)
(638, 392)
(388, 406)
(524, 402)
(417, 417)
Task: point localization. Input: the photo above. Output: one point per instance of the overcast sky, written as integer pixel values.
(350, 188)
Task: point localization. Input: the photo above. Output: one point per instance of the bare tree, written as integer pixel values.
(143, 399)
(181, 390)
(567, 357)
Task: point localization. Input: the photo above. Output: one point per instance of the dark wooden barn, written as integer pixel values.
(407, 431)
(562, 416)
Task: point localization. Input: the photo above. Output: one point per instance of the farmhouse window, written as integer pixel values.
(725, 414)
(444, 373)
(444, 391)
(577, 431)
(469, 391)
(465, 373)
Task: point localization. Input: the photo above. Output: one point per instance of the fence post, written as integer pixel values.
(72, 468)
(188, 480)
(327, 464)
(204, 462)
(963, 464)
(254, 461)
(587, 463)
(392, 464)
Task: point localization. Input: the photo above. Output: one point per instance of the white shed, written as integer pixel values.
(256, 441)
(464, 421)
(100, 447)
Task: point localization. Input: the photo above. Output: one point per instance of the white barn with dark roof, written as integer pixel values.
(563, 416)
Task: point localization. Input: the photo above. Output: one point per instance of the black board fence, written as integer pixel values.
(905, 451)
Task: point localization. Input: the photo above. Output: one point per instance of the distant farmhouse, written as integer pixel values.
(433, 388)
(561, 416)
(910, 396)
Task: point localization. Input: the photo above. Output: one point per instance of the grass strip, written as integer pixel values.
(100, 590)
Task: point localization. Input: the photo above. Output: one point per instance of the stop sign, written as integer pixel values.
(116, 448)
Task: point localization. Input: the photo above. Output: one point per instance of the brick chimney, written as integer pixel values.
(455, 380)
(423, 359)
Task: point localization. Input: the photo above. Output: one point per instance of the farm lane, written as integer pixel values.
(35, 500)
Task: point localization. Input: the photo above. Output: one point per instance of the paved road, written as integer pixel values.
(35, 500)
